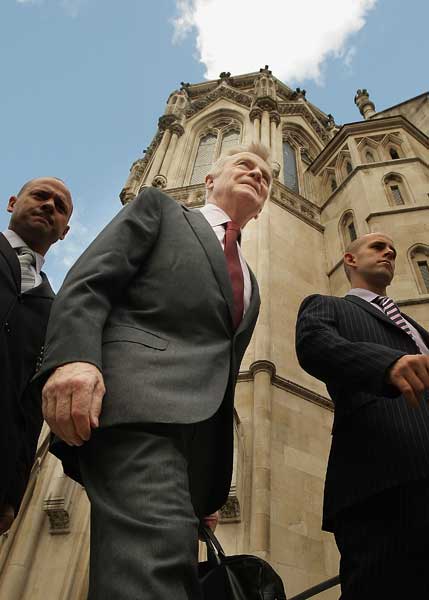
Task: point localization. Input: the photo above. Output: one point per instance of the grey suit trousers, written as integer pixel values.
(144, 528)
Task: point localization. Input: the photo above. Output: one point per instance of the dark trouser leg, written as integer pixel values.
(384, 546)
(143, 526)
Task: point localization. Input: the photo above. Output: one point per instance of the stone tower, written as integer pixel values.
(331, 184)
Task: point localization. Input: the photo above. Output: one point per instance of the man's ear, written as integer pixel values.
(209, 182)
(11, 204)
(349, 259)
(65, 232)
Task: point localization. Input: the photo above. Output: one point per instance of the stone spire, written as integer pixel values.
(364, 104)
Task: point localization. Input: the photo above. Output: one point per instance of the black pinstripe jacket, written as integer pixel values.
(378, 440)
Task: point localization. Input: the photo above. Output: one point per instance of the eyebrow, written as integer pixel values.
(381, 242)
(265, 171)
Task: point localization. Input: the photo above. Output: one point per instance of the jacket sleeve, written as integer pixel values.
(96, 281)
(334, 359)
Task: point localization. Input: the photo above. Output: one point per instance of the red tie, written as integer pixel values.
(234, 269)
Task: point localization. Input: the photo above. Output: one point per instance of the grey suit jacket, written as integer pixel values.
(379, 441)
(150, 304)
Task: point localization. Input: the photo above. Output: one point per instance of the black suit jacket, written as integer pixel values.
(378, 441)
(23, 320)
(150, 304)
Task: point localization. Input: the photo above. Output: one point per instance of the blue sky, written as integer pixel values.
(83, 82)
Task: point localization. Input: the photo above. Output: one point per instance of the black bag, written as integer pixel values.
(240, 577)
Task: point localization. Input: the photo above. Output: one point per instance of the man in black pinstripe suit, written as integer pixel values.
(375, 363)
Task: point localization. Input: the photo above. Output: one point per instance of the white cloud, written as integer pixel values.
(293, 38)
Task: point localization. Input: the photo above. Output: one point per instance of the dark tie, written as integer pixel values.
(391, 310)
(27, 260)
(235, 271)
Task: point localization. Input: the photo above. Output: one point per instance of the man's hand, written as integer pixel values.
(211, 520)
(72, 399)
(7, 515)
(410, 374)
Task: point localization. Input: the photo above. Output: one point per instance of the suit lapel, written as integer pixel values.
(12, 260)
(373, 310)
(213, 250)
(420, 329)
(43, 290)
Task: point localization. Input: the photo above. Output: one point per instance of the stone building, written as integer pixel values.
(332, 183)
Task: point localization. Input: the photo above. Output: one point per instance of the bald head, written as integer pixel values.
(369, 261)
(40, 212)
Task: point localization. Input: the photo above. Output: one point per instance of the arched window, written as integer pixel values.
(289, 167)
(348, 228)
(396, 190)
(393, 153)
(419, 256)
(229, 140)
(369, 156)
(204, 158)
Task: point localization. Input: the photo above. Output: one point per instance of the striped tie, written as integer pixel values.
(391, 310)
(27, 260)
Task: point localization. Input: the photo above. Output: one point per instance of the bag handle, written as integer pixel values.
(214, 547)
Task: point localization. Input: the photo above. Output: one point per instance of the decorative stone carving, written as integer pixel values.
(276, 169)
(177, 129)
(231, 511)
(221, 92)
(165, 121)
(160, 181)
(299, 95)
(126, 195)
(275, 117)
(225, 76)
(255, 113)
(302, 110)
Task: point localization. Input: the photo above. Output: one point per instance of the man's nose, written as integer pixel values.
(49, 204)
(256, 173)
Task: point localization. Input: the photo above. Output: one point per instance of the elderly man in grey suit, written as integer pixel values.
(375, 363)
(143, 351)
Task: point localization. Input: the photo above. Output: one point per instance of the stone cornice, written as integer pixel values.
(365, 128)
(397, 210)
(285, 384)
(424, 299)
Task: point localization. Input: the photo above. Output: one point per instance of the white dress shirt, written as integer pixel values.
(16, 242)
(370, 296)
(216, 217)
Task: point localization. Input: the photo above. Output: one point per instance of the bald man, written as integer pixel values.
(374, 361)
(39, 217)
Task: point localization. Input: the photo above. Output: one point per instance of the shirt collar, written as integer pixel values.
(214, 214)
(362, 293)
(16, 242)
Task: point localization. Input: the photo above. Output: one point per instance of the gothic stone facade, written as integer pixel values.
(331, 184)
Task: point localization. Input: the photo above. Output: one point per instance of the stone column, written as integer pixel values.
(262, 372)
(274, 122)
(176, 131)
(159, 156)
(255, 116)
(265, 128)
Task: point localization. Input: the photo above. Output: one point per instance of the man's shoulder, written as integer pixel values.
(321, 299)
(152, 195)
